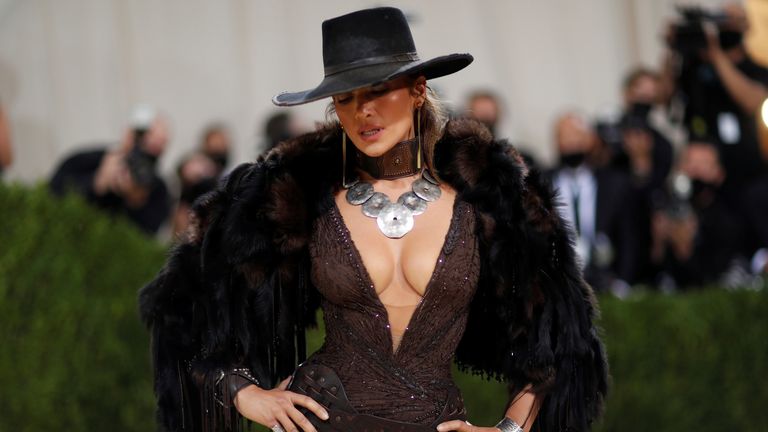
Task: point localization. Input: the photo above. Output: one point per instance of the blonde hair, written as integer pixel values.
(433, 118)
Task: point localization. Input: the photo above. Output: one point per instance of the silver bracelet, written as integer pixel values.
(508, 425)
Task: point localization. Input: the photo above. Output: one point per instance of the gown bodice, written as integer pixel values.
(409, 383)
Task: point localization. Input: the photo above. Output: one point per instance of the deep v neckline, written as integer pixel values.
(368, 281)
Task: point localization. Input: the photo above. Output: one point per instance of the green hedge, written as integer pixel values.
(697, 361)
(75, 356)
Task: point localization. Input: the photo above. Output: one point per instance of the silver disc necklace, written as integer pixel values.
(395, 219)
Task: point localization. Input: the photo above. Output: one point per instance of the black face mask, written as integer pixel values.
(220, 159)
(572, 160)
(640, 110)
(702, 192)
(730, 39)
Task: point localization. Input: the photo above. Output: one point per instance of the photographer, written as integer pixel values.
(198, 174)
(697, 238)
(124, 180)
(721, 88)
(216, 144)
(645, 153)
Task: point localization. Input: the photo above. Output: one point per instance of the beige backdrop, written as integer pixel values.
(70, 70)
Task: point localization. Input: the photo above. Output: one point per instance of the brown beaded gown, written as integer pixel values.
(412, 382)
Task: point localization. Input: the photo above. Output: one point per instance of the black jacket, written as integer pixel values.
(237, 291)
(615, 217)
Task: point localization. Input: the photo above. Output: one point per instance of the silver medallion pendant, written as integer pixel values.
(375, 204)
(395, 219)
(426, 190)
(428, 177)
(412, 202)
(359, 193)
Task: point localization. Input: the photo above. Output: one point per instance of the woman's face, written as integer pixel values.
(376, 118)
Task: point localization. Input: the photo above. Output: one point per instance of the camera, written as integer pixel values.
(611, 131)
(688, 37)
(140, 164)
(676, 205)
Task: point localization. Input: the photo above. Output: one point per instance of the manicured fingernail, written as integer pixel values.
(324, 415)
(441, 427)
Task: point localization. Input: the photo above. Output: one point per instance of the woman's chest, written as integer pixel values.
(354, 263)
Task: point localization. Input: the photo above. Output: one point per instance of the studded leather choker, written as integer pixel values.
(399, 161)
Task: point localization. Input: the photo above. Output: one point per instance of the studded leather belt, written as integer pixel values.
(321, 383)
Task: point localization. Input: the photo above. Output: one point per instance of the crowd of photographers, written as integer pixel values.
(123, 178)
(672, 194)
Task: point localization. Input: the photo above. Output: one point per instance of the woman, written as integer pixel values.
(421, 240)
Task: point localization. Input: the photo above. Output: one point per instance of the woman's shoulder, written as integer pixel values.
(493, 172)
(471, 142)
(466, 128)
(287, 158)
(308, 144)
(468, 156)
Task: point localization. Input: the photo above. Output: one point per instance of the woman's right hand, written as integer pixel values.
(277, 407)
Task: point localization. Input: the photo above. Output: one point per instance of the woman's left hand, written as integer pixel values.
(464, 426)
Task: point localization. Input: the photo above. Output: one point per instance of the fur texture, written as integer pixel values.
(237, 291)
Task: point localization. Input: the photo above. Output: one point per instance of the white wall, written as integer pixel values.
(70, 70)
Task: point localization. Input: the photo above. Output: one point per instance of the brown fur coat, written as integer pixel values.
(237, 290)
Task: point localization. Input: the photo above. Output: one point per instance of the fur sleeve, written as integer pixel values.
(531, 320)
(208, 308)
(563, 342)
(175, 306)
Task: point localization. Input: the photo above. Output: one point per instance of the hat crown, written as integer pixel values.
(367, 47)
(366, 36)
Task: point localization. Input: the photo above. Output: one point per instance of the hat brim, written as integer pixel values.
(370, 75)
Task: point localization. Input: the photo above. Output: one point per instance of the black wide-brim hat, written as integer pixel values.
(368, 47)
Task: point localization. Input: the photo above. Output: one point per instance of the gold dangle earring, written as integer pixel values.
(418, 136)
(344, 158)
